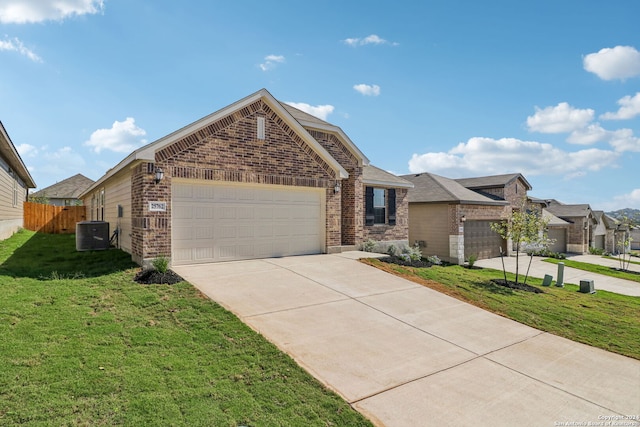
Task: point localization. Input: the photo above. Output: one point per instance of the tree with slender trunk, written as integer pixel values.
(523, 227)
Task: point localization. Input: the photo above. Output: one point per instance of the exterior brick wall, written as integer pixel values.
(400, 231)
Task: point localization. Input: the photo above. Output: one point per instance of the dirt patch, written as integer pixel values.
(518, 286)
(154, 277)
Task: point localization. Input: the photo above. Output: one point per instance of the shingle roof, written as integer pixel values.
(432, 188)
(9, 152)
(303, 116)
(553, 221)
(69, 188)
(375, 176)
(566, 211)
(491, 181)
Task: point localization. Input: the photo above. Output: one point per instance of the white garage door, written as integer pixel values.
(226, 222)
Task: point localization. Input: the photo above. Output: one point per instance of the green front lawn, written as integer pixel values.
(606, 320)
(83, 344)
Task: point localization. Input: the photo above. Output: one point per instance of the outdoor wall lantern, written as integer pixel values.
(463, 218)
(159, 175)
(336, 189)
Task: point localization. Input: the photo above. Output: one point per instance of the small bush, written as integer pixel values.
(596, 251)
(433, 259)
(414, 253)
(369, 245)
(472, 260)
(392, 250)
(161, 264)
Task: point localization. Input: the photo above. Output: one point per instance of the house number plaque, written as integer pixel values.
(157, 206)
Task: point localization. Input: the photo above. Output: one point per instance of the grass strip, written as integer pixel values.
(83, 344)
(599, 269)
(605, 320)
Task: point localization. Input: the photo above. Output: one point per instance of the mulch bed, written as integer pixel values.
(401, 261)
(154, 277)
(520, 286)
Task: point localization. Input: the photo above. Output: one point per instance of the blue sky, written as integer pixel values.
(550, 89)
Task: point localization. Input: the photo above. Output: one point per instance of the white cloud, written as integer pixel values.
(559, 119)
(16, 45)
(319, 111)
(57, 165)
(487, 156)
(620, 62)
(29, 11)
(629, 108)
(27, 150)
(623, 140)
(270, 61)
(372, 39)
(367, 90)
(122, 137)
(629, 200)
(589, 135)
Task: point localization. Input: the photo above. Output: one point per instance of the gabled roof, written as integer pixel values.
(313, 122)
(147, 153)
(432, 188)
(552, 220)
(570, 211)
(10, 154)
(372, 175)
(492, 181)
(69, 188)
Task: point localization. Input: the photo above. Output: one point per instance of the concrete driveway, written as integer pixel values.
(403, 354)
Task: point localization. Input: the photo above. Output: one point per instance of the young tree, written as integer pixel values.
(523, 227)
(624, 245)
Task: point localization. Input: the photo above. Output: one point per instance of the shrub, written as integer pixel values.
(414, 253)
(433, 259)
(392, 250)
(472, 260)
(369, 245)
(161, 264)
(596, 251)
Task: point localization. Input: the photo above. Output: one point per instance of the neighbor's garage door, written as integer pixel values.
(225, 222)
(558, 236)
(480, 240)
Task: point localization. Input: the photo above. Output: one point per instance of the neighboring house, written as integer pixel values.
(635, 238)
(65, 192)
(607, 232)
(451, 218)
(255, 179)
(15, 182)
(557, 231)
(582, 222)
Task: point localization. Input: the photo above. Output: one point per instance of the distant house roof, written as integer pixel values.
(432, 188)
(69, 188)
(10, 154)
(491, 181)
(570, 211)
(552, 220)
(372, 175)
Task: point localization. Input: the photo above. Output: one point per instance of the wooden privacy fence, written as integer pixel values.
(53, 219)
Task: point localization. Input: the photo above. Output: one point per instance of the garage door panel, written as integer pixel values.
(217, 222)
(480, 240)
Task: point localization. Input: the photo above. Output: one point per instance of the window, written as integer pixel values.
(379, 216)
(97, 206)
(15, 193)
(380, 206)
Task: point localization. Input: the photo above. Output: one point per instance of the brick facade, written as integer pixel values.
(397, 232)
(229, 150)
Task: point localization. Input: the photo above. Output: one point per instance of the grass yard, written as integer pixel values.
(600, 269)
(83, 344)
(606, 320)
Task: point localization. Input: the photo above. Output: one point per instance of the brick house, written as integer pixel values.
(582, 223)
(256, 179)
(451, 218)
(15, 181)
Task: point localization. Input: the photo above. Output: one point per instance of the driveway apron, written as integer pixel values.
(403, 354)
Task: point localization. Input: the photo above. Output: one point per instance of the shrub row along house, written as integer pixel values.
(255, 179)
(15, 181)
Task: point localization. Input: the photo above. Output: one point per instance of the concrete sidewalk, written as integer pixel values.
(403, 354)
(571, 275)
